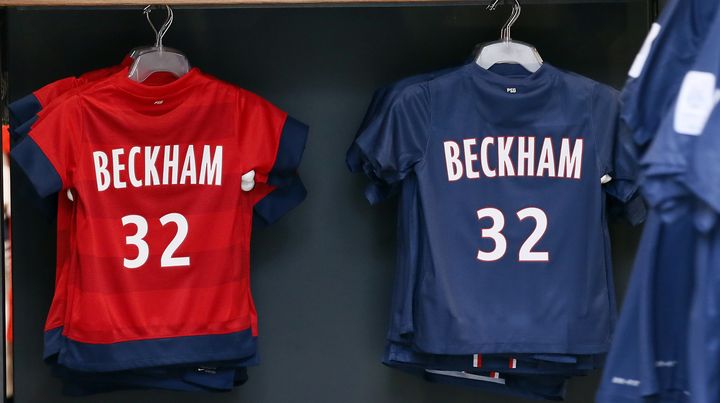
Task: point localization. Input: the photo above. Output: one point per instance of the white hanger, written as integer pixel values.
(158, 58)
(142, 49)
(507, 50)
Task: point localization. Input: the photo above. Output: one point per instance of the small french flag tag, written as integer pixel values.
(513, 363)
(477, 360)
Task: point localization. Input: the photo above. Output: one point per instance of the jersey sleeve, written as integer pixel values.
(26, 107)
(272, 140)
(47, 154)
(616, 149)
(396, 141)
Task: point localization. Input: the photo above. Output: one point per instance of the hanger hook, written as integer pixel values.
(166, 25)
(147, 10)
(513, 17)
(159, 34)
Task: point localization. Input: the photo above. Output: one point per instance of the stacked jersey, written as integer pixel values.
(667, 333)
(148, 345)
(503, 267)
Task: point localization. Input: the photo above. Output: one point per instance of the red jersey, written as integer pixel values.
(163, 227)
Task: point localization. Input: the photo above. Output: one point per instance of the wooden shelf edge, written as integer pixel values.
(95, 3)
(63, 3)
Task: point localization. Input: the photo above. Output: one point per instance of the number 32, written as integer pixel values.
(138, 240)
(495, 233)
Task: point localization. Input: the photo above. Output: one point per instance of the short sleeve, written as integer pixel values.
(394, 143)
(617, 153)
(278, 201)
(376, 191)
(21, 111)
(273, 140)
(353, 157)
(46, 154)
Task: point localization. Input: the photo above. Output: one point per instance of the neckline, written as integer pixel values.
(151, 91)
(535, 78)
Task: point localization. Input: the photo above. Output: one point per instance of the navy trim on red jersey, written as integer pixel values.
(22, 130)
(279, 202)
(38, 168)
(192, 377)
(171, 351)
(289, 153)
(23, 110)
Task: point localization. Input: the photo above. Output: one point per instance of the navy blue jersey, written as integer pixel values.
(703, 335)
(702, 180)
(409, 240)
(648, 358)
(460, 138)
(666, 161)
(669, 51)
(660, 329)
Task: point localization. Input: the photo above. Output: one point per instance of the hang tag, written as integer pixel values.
(637, 66)
(695, 103)
(605, 179)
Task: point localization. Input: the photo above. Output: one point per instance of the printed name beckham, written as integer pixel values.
(210, 167)
(460, 160)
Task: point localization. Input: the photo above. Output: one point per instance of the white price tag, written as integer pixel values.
(695, 103)
(642, 55)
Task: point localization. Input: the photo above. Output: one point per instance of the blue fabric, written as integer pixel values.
(21, 111)
(279, 202)
(648, 359)
(174, 351)
(199, 376)
(290, 151)
(456, 311)
(399, 354)
(86, 383)
(36, 167)
(23, 129)
(684, 25)
(704, 170)
(537, 387)
(547, 387)
(704, 342)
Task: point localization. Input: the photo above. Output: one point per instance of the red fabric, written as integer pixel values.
(50, 97)
(5, 139)
(111, 303)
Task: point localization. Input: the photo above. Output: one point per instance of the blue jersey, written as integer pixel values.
(411, 241)
(400, 328)
(461, 140)
(701, 180)
(659, 332)
(648, 359)
(668, 52)
(666, 161)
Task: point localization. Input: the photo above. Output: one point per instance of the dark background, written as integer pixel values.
(322, 275)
